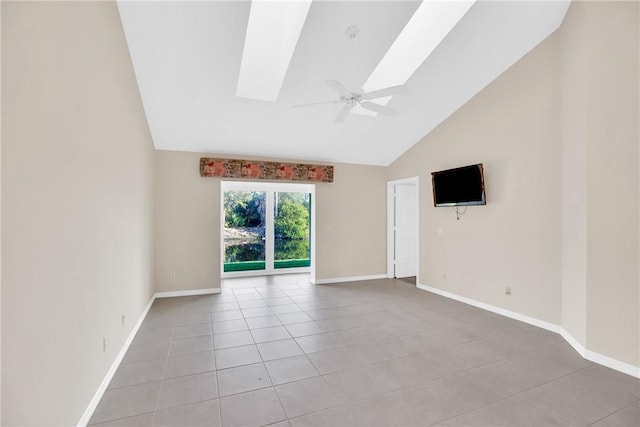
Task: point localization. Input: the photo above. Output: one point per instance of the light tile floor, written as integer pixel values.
(279, 351)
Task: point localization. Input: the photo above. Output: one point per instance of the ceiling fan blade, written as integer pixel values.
(342, 114)
(337, 86)
(311, 104)
(379, 108)
(381, 93)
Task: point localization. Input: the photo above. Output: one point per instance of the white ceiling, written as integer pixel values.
(187, 57)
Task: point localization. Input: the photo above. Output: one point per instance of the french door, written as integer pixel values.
(267, 228)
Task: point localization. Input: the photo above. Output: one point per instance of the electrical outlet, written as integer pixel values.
(172, 276)
(507, 290)
(469, 281)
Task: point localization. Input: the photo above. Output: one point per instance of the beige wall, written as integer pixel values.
(558, 135)
(350, 216)
(601, 280)
(187, 227)
(512, 128)
(612, 138)
(77, 224)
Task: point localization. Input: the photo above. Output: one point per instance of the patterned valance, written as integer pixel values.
(249, 169)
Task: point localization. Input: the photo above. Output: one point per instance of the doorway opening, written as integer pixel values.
(267, 228)
(402, 228)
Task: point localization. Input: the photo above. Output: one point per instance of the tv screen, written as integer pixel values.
(459, 187)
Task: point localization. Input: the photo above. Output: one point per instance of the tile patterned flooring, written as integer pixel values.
(279, 351)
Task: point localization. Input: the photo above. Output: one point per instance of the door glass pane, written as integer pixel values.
(244, 230)
(292, 225)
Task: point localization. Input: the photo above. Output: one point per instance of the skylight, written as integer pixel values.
(272, 35)
(428, 26)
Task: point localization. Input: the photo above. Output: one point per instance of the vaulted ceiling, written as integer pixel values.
(188, 57)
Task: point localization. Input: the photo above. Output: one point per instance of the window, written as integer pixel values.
(267, 228)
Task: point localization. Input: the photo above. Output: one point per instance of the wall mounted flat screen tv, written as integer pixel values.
(459, 187)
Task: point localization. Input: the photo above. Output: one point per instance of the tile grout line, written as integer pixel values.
(286, 416)
(215, 363)
(164, 372)
(123, 418)
(615, 412)
(267, 371)
(428, 381)
(514, 394)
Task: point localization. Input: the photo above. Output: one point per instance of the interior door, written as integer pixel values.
(405, 230)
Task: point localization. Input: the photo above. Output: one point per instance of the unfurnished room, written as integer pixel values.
(320, 213)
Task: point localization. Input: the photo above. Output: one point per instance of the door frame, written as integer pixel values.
(415, 181)
(269, 238)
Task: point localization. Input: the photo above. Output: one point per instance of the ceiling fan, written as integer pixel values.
(351, 99)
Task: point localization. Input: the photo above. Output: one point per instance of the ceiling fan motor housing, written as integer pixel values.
(352, 100)
(351, 32)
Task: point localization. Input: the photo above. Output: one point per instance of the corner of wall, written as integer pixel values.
(600, 246)
(95, 400)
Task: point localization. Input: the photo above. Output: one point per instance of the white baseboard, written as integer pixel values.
(88, 413)
(592, 356)
(607, 361)
(349, 279)
(598, 358)
(577, 346)
(612, 363)
(187, 293)
(492, 308)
